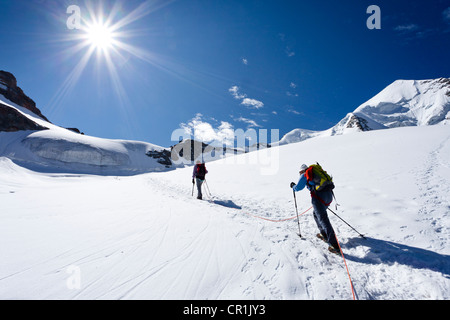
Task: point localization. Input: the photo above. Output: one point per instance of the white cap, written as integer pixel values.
(303, 167)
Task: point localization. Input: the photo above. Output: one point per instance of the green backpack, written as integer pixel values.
(322, 180)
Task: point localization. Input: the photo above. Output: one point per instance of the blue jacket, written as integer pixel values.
(302, 183)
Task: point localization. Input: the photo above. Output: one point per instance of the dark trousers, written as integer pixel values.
(319, 201)
(199, 187)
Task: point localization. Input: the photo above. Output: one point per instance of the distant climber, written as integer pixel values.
(320, 184)
(198, 176)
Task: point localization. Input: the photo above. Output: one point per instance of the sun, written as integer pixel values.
(102, 39)
(100, 36)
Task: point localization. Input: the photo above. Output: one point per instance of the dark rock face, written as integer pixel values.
(12, 120)
(189, 149)
(10, 90)
(445, 83)
(358, 122)
(162, 157)
(76, 130)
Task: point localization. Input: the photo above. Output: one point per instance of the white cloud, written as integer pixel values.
(250, 122)
(252, 103)
(291, 109)
(414, 31)
(292, 85)
(446, 14)
(203, 131)
(234, 90)
(225, 132)
(407, 28)
(289, 52)
(244, 61)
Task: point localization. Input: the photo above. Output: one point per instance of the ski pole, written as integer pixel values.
(193, 184)
(208, 194)
(207, 187)
(347, 224)
(296, 210)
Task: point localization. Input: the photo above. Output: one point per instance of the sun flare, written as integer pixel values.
(100, 36)
(101, 39)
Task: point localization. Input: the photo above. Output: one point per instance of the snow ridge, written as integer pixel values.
(61, 150)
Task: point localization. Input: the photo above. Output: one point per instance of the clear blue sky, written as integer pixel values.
(225, 64)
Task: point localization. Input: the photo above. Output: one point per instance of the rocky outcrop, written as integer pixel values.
(190, 151)
(76, 130)
(10, 90)
(163, 157)
(358, 122)
(12, 120)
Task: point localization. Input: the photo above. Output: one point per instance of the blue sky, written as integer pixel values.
(214, 66)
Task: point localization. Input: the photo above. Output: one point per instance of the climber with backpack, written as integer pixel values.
(321, 186)
(198, 176)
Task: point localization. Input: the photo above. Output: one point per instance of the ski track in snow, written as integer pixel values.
(432, 184)
(404, 268)
(290, 253)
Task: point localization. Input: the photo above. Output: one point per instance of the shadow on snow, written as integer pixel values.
(382, 251)
(226, 203)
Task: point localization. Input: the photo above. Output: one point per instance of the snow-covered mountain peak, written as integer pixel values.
(402, 103)
(298, 135)
(410, 103)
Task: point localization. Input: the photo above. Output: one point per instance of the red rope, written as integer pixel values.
(340, 249)
(348, 273)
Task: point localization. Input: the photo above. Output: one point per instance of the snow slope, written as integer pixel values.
(145, 237)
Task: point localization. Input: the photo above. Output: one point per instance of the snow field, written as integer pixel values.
(146, 237)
